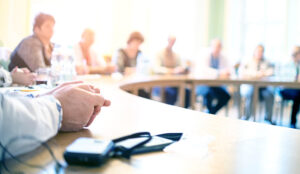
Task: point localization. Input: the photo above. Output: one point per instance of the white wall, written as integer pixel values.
(14, 23)
(114, 20)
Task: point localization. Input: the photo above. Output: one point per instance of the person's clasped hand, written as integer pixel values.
(23, 76)
(80, 102)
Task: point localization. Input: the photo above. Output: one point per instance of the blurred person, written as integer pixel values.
(293, 94)
(19, 76)
(258, 67)
(42, 117)
(87, 60)
(169, 62)
(35, 51)
(126, 58)
(215, 64)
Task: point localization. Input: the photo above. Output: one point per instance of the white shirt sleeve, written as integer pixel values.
(5, 78)
(22, 116)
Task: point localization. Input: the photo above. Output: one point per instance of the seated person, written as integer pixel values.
(20, 76)
(294, 94)
(35, 51)
(258, 67)
(126, 58)
(87, 61)
(42, 117)
(216, 64)
(168, 62)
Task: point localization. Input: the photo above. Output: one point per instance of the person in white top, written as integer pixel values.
(42, 117)
(258, 67)
(87, 60)
(217, 66)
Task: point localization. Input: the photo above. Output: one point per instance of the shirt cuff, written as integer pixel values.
(59, 110)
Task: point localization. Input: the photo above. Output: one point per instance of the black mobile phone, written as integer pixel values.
(88, 151)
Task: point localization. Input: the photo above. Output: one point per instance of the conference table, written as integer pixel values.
(213, 144)
(191, 81)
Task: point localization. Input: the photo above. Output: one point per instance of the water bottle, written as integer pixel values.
(56, 68)
(62, 65)
(143, 65)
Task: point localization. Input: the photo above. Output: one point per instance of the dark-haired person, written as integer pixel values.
(126, 58)
(258, 67)
(87, 60)
(35, 51)
(294, 94)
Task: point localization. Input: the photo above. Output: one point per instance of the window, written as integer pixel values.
(253, 22)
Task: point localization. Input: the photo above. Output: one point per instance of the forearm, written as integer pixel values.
(96, 70)
(39, 118)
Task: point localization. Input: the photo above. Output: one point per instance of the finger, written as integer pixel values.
(34, 75)
(71, 83)
(25, 70)
(97, 90)
(86, 87)
(15, 69)
(98, 100)
(96, 112)
(107, 103)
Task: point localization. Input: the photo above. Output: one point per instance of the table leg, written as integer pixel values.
(255, 100)
(162, 95)
(181, 94)
(238, 89)
(193, 96)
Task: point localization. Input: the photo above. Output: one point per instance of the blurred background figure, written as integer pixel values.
(126, 58)
(87, 60)
(258, 67)
(169, 62)
(215, 64)
(35, 51)
(293, 94)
